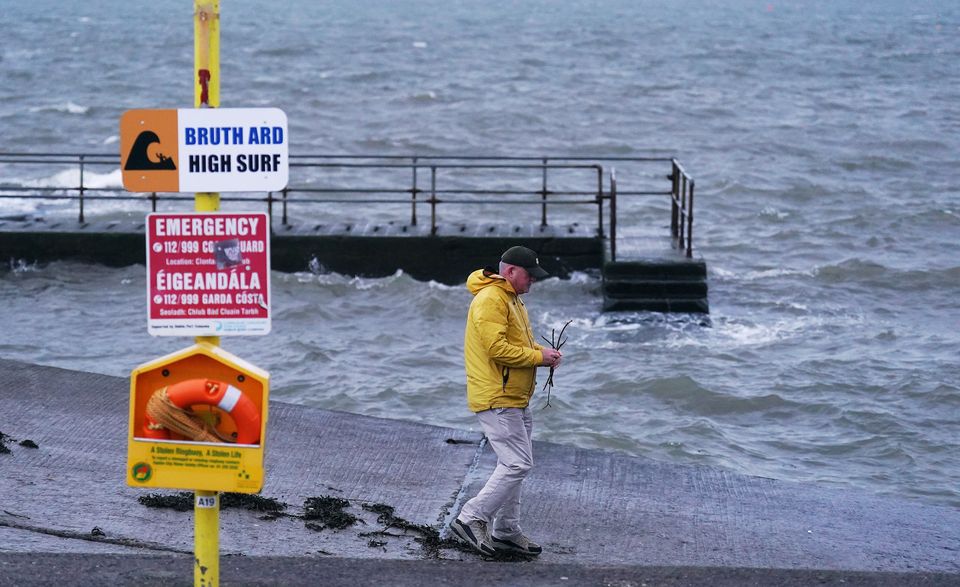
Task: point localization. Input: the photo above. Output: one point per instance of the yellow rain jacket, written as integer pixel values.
(499, 350)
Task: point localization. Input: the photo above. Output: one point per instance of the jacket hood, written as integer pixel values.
(484, 278)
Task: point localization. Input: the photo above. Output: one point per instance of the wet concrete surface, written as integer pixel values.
(170, 571)
(603, 517)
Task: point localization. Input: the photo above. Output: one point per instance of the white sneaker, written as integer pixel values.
(520, 544)
(475, 534)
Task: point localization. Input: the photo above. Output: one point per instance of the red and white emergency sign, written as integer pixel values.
(209, 274)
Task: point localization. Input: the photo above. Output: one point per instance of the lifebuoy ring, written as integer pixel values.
(208, 392)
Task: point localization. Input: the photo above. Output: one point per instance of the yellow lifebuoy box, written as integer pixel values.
(198, 421)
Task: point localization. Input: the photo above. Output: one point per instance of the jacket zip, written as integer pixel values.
(529, 331)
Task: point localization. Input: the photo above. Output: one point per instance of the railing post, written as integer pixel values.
(433, 199)
(284, 200)
(683, 208)
(153, 201)
(690, 224)
(270, 207)
(81, 189)
(543, 196)
(613, 214)
(674, 197)
(600, 201)
(413, 195)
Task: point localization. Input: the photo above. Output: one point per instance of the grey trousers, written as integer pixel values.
(510, 434)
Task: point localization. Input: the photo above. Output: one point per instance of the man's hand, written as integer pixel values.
(551, 358)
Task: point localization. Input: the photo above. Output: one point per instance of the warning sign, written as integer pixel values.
(209, 274)
(204, 150)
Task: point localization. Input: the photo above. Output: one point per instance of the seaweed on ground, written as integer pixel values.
(329, 512)
(384, 511)
(429, 538)
(5, 438)
(247, 501)
(326, 512)
(459, 441)
(386, 517)
(182, 501)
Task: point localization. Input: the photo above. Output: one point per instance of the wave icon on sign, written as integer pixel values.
(139, 158)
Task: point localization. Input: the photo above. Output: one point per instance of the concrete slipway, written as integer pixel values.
(67, 516)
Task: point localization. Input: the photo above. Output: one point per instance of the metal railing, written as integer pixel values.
(681, 208)
(452, 196)
(544, 184)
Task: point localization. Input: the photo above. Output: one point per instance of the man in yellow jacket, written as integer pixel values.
(501, 357)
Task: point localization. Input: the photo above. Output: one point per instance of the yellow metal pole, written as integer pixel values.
(206, 86)
(206, 89)
(206, 83)
(206, 539)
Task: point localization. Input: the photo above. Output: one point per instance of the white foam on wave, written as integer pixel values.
(17, 206)
(68, 107)
(777, 272)
(22, 266)
(70, 179)
(420, 44)
(19, 54)
(675, 332)
(736, 334)
(602, 323)
(65, 182)
(425, 96)
(368, 283)
(581, 278)
(321, 276)
(442, 286)
(318, 273)
(722, 273)
(756, 275)
(771, 212)
(739, 335)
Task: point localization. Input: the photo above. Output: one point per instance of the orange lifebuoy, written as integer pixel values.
(214, 393)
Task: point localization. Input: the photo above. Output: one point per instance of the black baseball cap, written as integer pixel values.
(526, 258)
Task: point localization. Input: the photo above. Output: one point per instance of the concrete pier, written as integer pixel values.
(658, 278)
(363, 249)
(602, 517)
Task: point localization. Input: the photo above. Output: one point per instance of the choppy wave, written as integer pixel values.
(760, 274)
(66, 107)
(70, 179)
(878, 276)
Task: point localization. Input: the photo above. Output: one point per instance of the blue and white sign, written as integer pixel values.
(232, 149)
